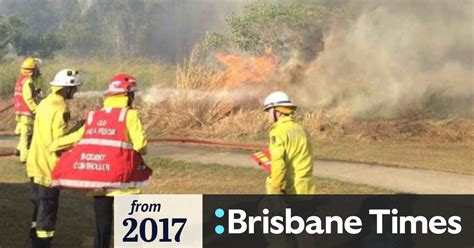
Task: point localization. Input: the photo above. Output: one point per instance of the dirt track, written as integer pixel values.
(397, 179)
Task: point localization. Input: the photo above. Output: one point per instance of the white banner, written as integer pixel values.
(158, 221)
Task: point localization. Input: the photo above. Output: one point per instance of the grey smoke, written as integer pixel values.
(155, 95)
(396, 54)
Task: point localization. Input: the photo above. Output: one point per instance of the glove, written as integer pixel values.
(77, 126)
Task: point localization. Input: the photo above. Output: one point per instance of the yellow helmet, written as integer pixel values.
(29, 63)
(29, 66)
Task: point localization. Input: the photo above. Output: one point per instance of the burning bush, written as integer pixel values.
(208, 93)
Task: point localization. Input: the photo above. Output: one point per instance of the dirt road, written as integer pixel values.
(397, 179)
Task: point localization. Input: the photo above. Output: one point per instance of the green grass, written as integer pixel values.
(182, 178)
(96, 73)
(75, 217)
(450, 157)
(75, 225)
(8, 74)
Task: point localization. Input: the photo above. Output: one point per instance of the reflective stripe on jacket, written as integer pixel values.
(103, 158)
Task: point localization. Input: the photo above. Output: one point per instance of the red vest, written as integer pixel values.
(18, 101)
(103, 158)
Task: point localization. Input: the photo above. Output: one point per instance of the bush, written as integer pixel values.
(282, 28)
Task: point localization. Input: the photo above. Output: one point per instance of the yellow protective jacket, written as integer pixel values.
(50, 123)
(28, 94)
(291, 159)
(135, 132)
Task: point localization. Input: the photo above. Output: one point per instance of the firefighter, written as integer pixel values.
(119, 146)
(290, 149)
(25, 105)
(52, 116)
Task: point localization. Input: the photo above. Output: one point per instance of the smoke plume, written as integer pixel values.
(396, 55)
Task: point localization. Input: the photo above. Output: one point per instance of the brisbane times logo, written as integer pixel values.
(237, 221)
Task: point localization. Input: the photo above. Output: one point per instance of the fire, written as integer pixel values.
(242, 71)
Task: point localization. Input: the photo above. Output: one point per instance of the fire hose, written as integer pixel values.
(209, 143)
(6, 154)
(6, 108)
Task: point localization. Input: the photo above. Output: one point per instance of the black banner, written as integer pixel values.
(338, 221)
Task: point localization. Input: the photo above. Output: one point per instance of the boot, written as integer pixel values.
(34, 239)
(44, 243)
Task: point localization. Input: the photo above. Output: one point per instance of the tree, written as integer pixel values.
(17, 33)
(42, 16)
(283, 28)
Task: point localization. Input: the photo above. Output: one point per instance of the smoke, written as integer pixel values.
(156, 95)
(89, 94)
(172, 28)
(393, 56)
(396, 55)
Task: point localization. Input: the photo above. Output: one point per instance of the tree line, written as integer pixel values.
(164, 29)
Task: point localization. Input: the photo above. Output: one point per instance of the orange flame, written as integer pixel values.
(242, 71)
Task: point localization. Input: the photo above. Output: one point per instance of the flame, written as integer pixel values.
(242, 71)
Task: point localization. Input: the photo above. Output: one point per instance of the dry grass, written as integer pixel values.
(425, 144)
(212, 119)
(213, 100)
(413, 140)
(205, 117)
(193, 107)
(193, 75)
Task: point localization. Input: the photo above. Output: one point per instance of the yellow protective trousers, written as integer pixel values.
(24, 128)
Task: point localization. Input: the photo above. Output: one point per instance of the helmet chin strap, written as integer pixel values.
(70, 92)
(275, 117)
(36, 73)
(131, 98)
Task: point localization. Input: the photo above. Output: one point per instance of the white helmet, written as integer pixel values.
(66, 78)
(38, 61)
(277, 99)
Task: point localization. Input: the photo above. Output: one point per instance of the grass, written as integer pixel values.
(449, 157)
(75, 225)
(184, 178)
(96, 73)
(75, 214)
(444, 145)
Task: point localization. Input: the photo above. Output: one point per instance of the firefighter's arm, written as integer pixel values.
(278, 171)
(27, 92)
(59, 130)
(59, 123)
(67, 141)
(136, 132)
